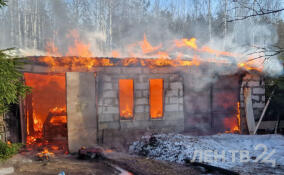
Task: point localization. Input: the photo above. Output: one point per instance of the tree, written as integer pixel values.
(11, 84)
(3, 3)
(260, 10)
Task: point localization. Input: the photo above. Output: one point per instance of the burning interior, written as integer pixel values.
(45, 110)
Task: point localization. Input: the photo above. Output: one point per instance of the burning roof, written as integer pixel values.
(73, 63)
(176, 53)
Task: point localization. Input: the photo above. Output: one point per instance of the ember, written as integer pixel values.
(44, 155)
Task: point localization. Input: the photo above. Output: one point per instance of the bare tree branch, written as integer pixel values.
(266, 53)
(256, 14)
(260, 11)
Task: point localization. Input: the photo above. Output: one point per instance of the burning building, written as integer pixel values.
(114, 101)
(84, 101)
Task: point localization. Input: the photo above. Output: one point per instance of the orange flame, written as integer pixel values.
(48, 94)
(234, 123)
(45, 154)
(126, 98)
(144, 47)
(147, 47)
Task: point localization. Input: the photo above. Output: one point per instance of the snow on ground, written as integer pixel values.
(248, 148)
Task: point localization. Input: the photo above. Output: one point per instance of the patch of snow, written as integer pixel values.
(177, 148)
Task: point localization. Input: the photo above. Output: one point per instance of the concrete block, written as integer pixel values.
(100, 109)
(103, 125)
(172, 93)
(173, 115)
(171, 107)
(115, 70)
(141, 78)
(112, 125)
(146, 108)
(180, 93)
(145, 93)
(132, 70)
(258, 90)
(174, 77)
(173, 100)
(107, 78)
(110, 110)
(253, 83)
(167, 100)
(112, 94)
(107, 85)
(141, 101)
(139, 108)
(176, 85)
(108, 101)
(139, 116)
(180, 107)
(138, 93)
(255, 97)
(141, 86)
(258, 105)
(106, 117)
(146, 70)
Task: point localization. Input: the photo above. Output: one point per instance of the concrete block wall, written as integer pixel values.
(208, 102)
(256, 83)
(110, 123)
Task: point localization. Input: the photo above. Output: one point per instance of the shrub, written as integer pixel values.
(8, 150)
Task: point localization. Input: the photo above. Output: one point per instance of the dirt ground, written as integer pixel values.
(113, 163)
(26, 165)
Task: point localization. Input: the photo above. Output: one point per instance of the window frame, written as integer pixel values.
(163, 99)
(133, 103)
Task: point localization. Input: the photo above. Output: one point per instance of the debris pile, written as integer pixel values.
(90, 153)
(44, 155)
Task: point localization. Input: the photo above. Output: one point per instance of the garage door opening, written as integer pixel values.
(45, 111)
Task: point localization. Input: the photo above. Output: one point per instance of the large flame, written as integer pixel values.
(180, 52)
(47, 98)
